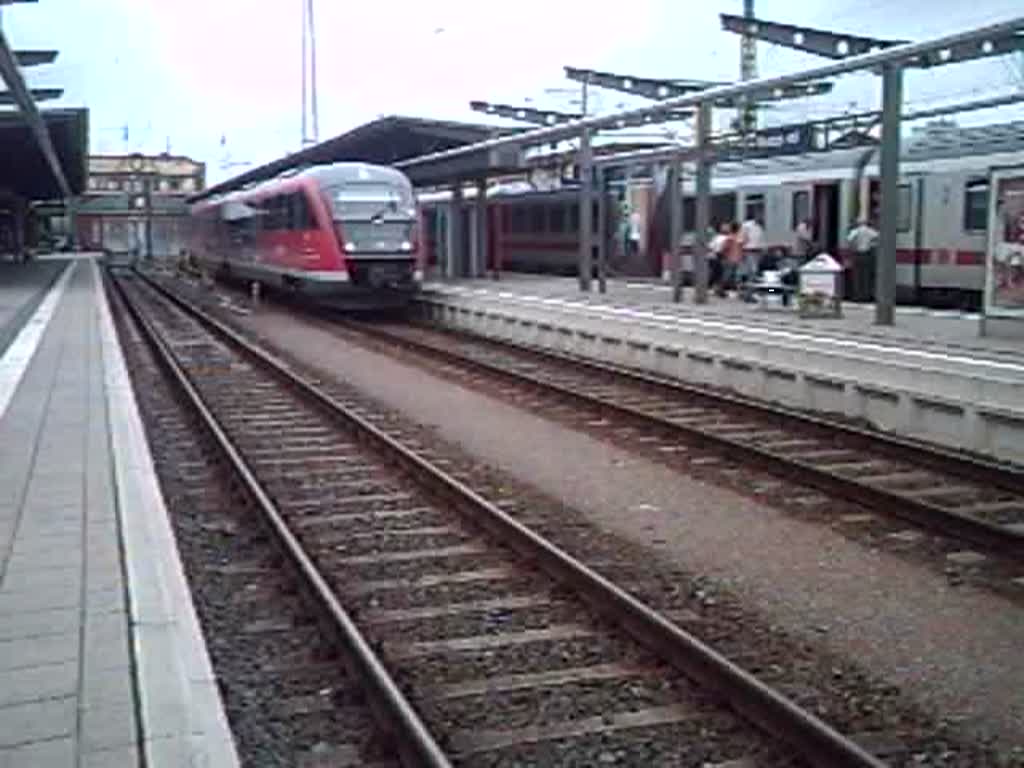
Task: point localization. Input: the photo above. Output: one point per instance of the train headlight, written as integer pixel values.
(406, 245)
(350, 246)
(417, 275)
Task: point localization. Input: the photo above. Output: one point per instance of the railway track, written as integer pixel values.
(958, 496)
(288, 699)
(484, 643)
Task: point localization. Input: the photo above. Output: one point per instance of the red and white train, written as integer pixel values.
(347, 233)
(943, 215)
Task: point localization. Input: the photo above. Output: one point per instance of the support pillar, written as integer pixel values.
(71, 207)
(479, 268)
(675, 225)
(703, 213)
(889, 170)
(452, 267)
(585, 202)
(602, 230)
(148, 186)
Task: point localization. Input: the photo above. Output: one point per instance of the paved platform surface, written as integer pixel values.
(101, 660)
(22, 287)
(930, 376)
(913, 326)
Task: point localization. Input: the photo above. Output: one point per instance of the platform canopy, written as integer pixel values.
(25, 171)
(385, 141)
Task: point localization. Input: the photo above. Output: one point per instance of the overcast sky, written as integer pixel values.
(188, 72)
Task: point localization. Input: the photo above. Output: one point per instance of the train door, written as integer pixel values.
(825, 216)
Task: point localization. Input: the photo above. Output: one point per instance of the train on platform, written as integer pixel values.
(346, 234)
(942, 218)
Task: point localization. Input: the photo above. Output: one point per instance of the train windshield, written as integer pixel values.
(372, 200)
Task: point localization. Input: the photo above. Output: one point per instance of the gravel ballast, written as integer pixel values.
(954, 650)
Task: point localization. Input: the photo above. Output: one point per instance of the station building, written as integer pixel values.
(137, 203)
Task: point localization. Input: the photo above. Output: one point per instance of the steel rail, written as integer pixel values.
(951, 523)
(416, 745)
(869, 60)
(762, 705)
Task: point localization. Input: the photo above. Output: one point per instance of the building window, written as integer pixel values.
(164, 185)
(187, 185)
(976, 205)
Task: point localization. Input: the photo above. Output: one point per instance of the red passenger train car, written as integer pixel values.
(346, 233)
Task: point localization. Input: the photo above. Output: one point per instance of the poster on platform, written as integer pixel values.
(1004, 274)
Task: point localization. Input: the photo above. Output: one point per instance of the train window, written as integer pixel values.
(556, 218)
(976, 205)
(753, 207)
(801, 207)
(594, 217)
(574, 219)
(277, 213)
(520, 219)
(904, 210)
(536, 218)
(300, 215)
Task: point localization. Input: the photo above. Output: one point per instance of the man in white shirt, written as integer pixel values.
(635, 233)
(752, 237)
(863, 238)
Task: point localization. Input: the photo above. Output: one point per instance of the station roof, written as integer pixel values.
(25, 171)
(384, 141)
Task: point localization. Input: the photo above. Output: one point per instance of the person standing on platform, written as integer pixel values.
(803, 242)
(715, 254)
(752, 240)
(731, 250)
(864, 239)
(635, 223)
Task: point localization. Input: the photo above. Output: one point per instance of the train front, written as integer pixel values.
(377, 224)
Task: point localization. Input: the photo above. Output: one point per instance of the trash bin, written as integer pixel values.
(821, 287)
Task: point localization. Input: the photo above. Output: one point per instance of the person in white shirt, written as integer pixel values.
(752, 237)
(863, 238)
(803, 241)
(635, 233)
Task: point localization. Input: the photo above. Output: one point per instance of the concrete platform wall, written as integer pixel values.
(957, 401)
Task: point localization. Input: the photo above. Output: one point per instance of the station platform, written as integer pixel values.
(930, 376)
(102, 662)
(22, 287)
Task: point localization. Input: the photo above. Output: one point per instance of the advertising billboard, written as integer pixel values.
(1004, 273)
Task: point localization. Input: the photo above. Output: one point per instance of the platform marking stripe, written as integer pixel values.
(19, 354)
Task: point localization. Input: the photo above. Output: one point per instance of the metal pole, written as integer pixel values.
(748, 71)
(312, 73)
(675, 225)
(889, 169)
(148, 187)
(455, 237)
(480, 252)
(602, 230)
(586, 200)
(305, 58)
(703, 213)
